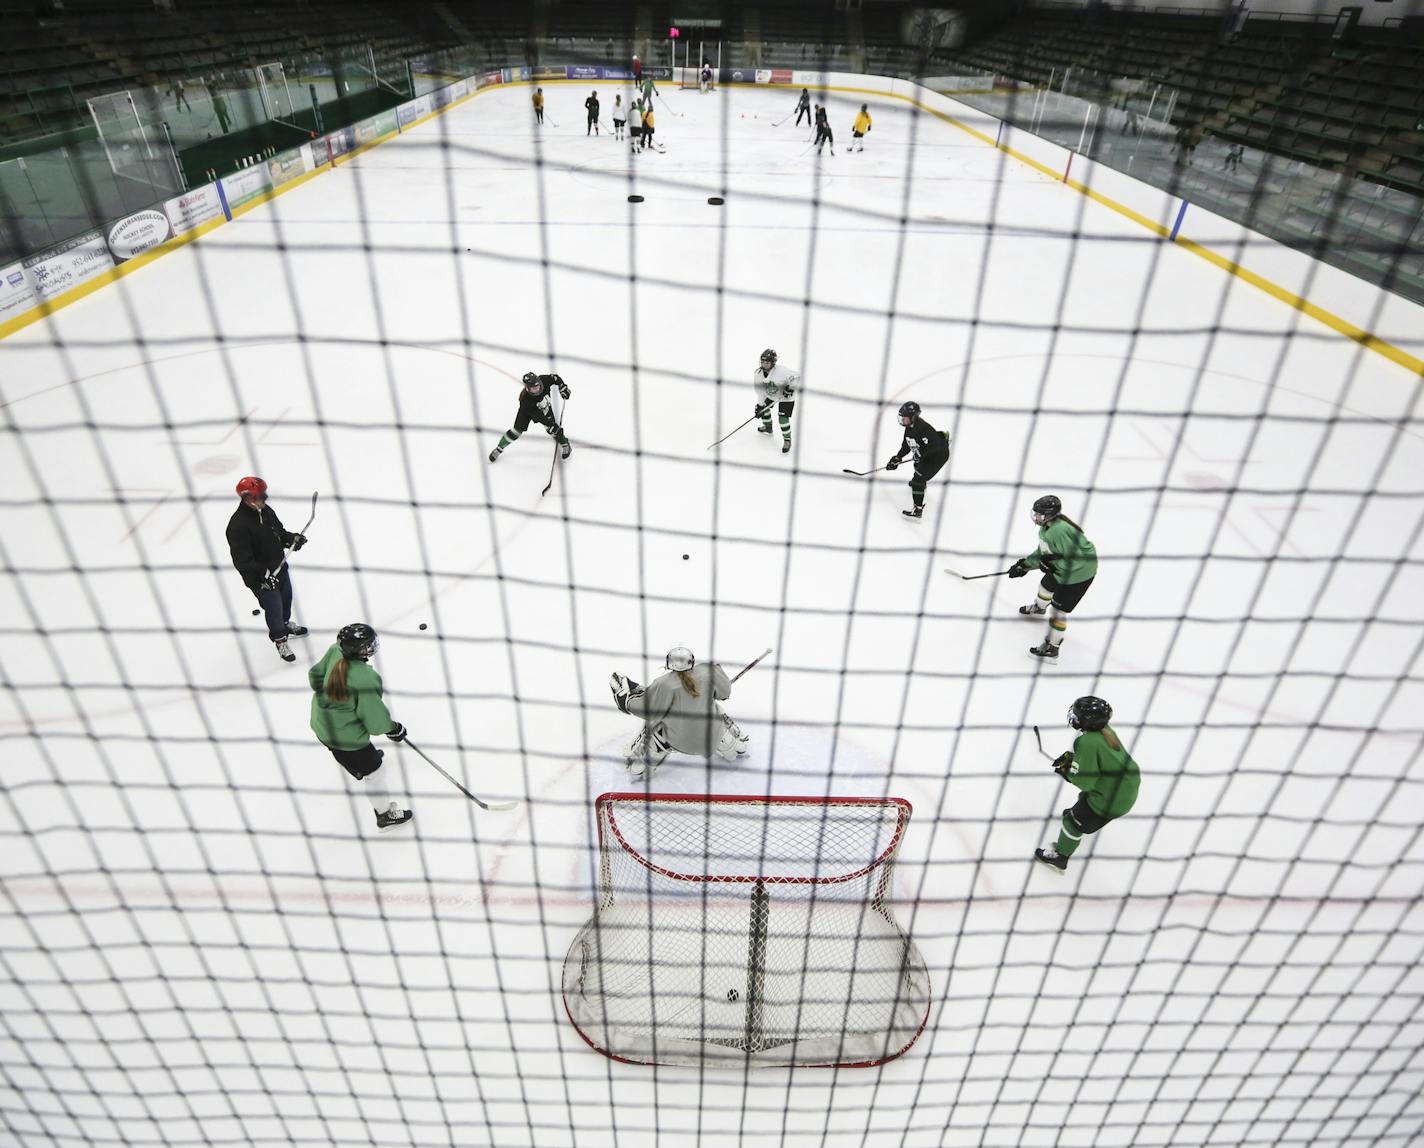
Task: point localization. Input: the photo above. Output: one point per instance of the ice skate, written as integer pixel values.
(763, 429)
(296, 631)
(565, 450)
(494, 454)
(1044, 649)
(283, 651)
(914, 514)
(786, 446)
(742, 741)
(393, 818)
(1051, 858)
(1036, 608)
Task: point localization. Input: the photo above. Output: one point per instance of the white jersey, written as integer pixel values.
(693, 724)
(635, 116)
(779, 383)
(618, 112)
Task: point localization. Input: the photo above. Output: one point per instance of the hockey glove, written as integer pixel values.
(1018, 569)
(762, 408)
(564, 391)
(397, 733)
(1063, 763)
(893, 463)
(269, 583)
(298, 541)
(552, 428)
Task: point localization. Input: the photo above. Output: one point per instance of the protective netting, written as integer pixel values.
(1208, 354)
(746, 930)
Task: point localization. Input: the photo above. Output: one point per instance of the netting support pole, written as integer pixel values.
(753, 1037)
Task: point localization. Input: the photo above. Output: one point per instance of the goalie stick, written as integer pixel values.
(752, 663)
(493, 806)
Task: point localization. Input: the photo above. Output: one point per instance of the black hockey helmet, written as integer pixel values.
(768, 356)
(1089, 713)
(1046, 507)
(358, 641)
(909, 410)
(532, 382)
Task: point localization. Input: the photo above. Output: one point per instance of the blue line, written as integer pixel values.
(222, 198)
(1176, 227)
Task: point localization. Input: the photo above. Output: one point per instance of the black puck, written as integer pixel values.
(685, 557)
(256, 612)
(635, 199)
(422, 625)
(716, 200)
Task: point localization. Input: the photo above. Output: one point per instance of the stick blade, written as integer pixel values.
(501, 806)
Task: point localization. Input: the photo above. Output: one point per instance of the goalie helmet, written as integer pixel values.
(1049, 506)
(532, 382)
(357, 641)
(1089, 713)
(909, 410)
(768, 359)
(680, 658)
(251, 485)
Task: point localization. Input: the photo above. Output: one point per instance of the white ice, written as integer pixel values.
(205, 941)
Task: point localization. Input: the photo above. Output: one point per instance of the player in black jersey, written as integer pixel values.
(930, 448)
(535, 407)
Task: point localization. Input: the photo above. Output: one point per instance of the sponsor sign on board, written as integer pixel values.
(135, 234)
(55, 271)
(193, 208)
(16, 292)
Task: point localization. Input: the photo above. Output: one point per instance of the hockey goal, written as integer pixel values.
(746, 929)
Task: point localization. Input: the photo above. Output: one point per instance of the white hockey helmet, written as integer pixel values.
(680, 658)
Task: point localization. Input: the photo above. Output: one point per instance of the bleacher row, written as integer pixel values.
(1284, 87)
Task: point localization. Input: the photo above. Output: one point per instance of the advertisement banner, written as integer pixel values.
(408, 113)
(56, 271)
(364, 132)
(340, 142)
(547, 73)
(617, 73)
(135, 234)
(740, 75)
(781, 75)
(385, 122)
(459, 88)
(245, 185)
(490, 78)
(16, 294)
(583, 71)
(320, 153)
(511, 74)
(763, 75)
(663, 73)
(285, 167)
(193, 209)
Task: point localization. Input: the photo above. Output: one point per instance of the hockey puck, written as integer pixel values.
(422, 625)
(635, 199)
(256, 612)
(685, 557)
(716, 200)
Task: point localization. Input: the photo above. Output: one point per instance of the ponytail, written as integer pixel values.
(1070, 522)
(336, 690)
(1111, 738)
(689, 683)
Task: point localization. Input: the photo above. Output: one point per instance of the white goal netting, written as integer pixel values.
(747, 928)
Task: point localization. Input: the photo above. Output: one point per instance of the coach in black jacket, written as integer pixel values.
(258, 543)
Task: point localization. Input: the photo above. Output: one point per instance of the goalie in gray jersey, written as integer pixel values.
(775, 386)
(681, 713)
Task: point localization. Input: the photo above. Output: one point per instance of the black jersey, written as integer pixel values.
(929, 446)
(592, 105)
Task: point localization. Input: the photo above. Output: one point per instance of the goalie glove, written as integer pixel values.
(623, 690)
(1063, 764)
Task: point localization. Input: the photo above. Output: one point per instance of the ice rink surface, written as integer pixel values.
(206, 942)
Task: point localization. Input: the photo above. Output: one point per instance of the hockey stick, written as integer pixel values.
(493, 806)
(751, 664)
(303, 531)
(863, 473)
(733, 431)
(975, 577)
(1039, 738)
(666, 104)
(554, 462)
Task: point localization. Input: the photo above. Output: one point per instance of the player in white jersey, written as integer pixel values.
(775, 385)
(681, 713)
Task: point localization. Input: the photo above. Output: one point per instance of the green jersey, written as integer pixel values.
(1076, 557)
(1104, 771)
(349, 724)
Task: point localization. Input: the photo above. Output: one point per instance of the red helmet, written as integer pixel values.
(251, 485)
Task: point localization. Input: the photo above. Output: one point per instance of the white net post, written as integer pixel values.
(746, 929)
(120, 130)
(276, 96)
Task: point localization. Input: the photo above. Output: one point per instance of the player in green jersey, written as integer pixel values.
(1099, 766)
(1068, 561)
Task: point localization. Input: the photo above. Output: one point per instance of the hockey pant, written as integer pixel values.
(783, 411)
